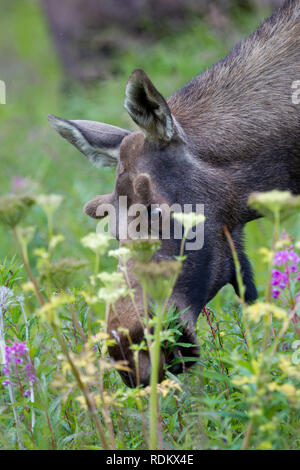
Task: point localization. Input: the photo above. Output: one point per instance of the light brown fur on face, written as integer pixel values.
(126, 315)
(230, 131)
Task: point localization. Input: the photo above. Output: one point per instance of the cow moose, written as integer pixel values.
(232, 130)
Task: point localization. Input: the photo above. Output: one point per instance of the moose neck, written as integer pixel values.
(239, 115)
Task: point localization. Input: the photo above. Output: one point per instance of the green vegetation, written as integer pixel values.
(245, 392)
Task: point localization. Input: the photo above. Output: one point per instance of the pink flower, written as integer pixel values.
(18, 366)
(286, 269)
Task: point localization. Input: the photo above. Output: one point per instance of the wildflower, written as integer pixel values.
(166, 386)
(49, 203)
(266, 255)
(48, 310)
(262, 309)
(245, 380)
(20, 185)
(114, 287)
(286, 266)
(97, 242)
(275, 293)
(123, 254)
(59, 273)
(287, 389)
(110, 296)
(143, 250)
(265, 445)
(6, 297)
(14, 208)
(18, 368)
(27, 287)
(272, 202)
(111, 279)
(55, 240)
(26, 234)
(158, 278)
(289, 368)
(189, 220)
(286, 256)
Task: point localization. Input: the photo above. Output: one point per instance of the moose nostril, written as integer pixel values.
(141, 377)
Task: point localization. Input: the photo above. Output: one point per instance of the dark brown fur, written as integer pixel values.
(230, 131)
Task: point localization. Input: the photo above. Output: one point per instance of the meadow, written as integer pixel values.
(58, 389)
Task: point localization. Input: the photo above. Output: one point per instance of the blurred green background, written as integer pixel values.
(32, 154)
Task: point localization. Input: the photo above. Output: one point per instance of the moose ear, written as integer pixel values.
(99, 142)
(148, 108)
(98, 207)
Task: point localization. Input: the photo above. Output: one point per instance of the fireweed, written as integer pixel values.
(286, 274)
(18, 368)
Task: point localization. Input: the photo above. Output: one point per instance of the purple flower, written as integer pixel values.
(279, 279)
(275, 293)
(286, 267)
(281, 257)
(19, 184)
(18, 367)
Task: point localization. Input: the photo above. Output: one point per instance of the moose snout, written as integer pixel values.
(140, 372)
(139, 364)
(130, 348)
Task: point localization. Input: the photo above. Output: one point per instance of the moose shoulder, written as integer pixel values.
(231, 130)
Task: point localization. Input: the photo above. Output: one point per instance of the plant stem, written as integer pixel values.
(88, 399)
(155, 361)
(240, 286)
(21, 303)
(246, 441)
(28, 269)
(9, 386)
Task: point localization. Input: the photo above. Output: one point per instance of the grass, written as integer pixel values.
(208, 409)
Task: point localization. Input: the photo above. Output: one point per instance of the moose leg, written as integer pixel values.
(247, 276)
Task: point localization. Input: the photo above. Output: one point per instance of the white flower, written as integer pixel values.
(49, 202)
(114, 287)
(189, 220)
(55, 241)
(111, 279)
(123, 254)
(97, 242)
(110, 295)
(6, 297)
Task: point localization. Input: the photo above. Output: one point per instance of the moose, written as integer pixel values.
(232, 130)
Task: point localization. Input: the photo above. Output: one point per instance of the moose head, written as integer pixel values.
(213, 142)
(156, 167)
